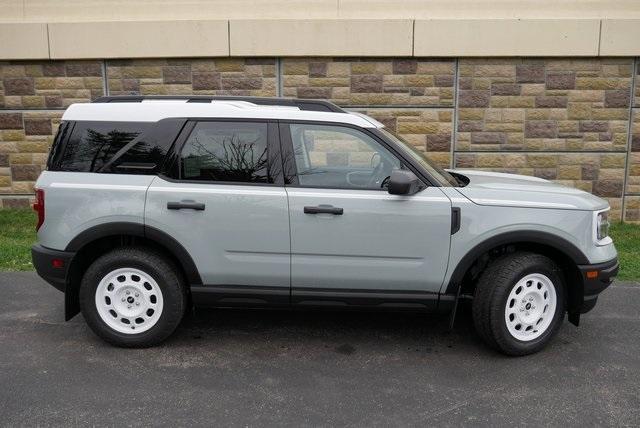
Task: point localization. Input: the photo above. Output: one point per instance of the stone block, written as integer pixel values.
(11, 120)
(176, 74)
(25, 172)
(37, 126)
(617, 98)
(366, 83)
(530, 73)
(541, 129)
(474, 98)
(561, 81)
(19, 86)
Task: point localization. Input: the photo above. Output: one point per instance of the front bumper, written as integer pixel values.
(52, 265)
(595, 278)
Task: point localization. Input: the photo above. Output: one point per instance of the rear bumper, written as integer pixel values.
(595, 278)
(43, 261)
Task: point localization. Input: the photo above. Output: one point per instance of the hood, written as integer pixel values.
(494, 188)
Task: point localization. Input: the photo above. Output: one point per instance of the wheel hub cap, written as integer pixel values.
(129, 300)
(530, 307)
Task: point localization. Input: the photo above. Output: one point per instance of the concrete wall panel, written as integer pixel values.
(24, 41)
(321, 37)
(138, 39)
(620, 37)
(496, 37)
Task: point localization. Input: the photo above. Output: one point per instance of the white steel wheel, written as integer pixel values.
(530, 307)
(129, 300)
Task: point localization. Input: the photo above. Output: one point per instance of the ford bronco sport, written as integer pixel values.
(150, 205)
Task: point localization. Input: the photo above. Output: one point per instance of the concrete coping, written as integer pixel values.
(321, 37)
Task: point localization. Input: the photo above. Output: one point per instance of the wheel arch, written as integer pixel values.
(93, 242)
(563, 252)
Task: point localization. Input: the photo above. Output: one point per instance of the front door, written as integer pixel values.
(352, 241)
(227, 206)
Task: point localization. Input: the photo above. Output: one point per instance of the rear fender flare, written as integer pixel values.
(137, 229)
(164, 240)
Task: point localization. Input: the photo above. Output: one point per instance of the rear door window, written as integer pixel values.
(232, 152)
(93, 144)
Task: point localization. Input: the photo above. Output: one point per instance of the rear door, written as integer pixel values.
(225, 203)
(351, 241)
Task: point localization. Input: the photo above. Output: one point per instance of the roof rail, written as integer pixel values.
(302, 104)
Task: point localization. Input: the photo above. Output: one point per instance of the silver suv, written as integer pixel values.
(152, 204)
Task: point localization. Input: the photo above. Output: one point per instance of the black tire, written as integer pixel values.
(491, 295)
(165, 274)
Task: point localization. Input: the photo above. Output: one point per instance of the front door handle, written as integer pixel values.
(324, 209)
(185, 205)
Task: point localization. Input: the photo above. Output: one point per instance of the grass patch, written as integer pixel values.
(626, 237)
(17, 234)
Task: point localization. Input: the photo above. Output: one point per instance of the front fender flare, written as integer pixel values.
(513, 237)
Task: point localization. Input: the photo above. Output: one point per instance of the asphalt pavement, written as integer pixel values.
(266, 368)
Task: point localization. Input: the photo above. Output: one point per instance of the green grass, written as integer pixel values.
(17, 233)
(627, 239)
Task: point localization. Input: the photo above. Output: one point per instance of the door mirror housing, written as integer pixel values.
(403, 182)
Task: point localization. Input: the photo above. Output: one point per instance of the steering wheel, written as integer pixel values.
(376, 174)
(385, 182)
(375, 160)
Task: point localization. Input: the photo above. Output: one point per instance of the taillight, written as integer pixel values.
(38, 207)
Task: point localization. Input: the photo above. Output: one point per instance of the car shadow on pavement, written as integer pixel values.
(346, 332)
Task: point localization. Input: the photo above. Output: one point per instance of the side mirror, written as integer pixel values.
(403, 182)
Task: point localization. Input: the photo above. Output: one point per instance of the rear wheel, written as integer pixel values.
(519, 303)
(132, 297)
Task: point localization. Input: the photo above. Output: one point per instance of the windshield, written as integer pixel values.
(443, 177)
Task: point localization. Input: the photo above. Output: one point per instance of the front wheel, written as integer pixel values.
(519, 303)
(132, 297)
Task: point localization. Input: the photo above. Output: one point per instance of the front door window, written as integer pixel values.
(339, 157)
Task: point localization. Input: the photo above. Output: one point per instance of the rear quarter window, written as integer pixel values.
(58, 143)
(91, 145)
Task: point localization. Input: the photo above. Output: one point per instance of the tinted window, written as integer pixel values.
(58, 143)
(138, 159)
(340, 157)
(92, 144)
(147, 154)
(226, 151)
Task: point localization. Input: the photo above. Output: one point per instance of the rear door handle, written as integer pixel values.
(185, 205)
(324, 209)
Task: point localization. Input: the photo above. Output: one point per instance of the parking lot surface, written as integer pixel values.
(264, 368)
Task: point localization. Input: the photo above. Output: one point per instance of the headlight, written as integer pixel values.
(602, 225)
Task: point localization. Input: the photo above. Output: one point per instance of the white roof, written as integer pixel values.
(155, 110)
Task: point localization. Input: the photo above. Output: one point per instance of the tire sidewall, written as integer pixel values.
(169, 287)
(504, 337)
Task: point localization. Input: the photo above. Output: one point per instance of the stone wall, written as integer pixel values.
(575, 111)
(353, 82)
(49, 84)
(632, 198)
(575, 121)
(255, 77)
